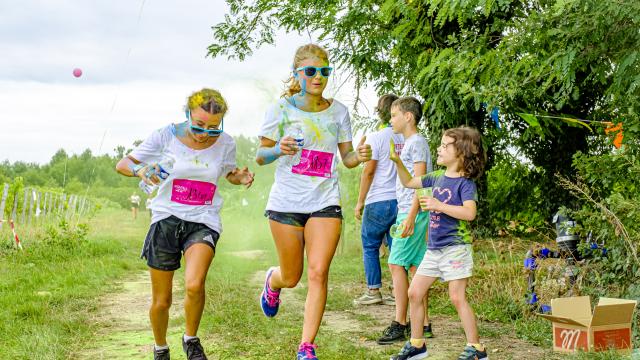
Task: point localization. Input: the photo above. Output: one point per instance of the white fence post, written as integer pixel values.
(30, 194)
(24, 206)
(5, 193)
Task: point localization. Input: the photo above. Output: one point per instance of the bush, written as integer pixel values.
(515, 202)
(65, 235)
(608, 188)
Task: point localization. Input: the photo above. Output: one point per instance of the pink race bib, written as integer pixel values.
(192, 192)
(314, 163)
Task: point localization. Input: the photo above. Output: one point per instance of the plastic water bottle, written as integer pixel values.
(396, 230)
(298, 135)
(165, 167)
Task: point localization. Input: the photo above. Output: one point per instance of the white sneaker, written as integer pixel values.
(369, 298)
(389, 300)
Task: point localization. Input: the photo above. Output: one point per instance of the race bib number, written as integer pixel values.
(192, 192)
(314, 163)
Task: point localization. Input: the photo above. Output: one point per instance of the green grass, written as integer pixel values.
(48, 293)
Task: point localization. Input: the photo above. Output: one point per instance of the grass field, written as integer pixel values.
(90, 301)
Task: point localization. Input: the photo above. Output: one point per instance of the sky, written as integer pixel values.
(138, 68)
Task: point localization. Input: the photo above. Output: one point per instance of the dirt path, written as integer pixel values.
(122, 322)
(449, 337)
(123, 330)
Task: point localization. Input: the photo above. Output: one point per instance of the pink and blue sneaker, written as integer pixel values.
(270, 299)
(307, 351)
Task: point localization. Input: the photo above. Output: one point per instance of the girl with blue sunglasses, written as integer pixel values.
(304, 204)
(185, 213)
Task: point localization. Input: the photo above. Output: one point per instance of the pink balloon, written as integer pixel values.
(77, 72)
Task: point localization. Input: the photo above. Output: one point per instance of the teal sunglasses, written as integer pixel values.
(199, 130)
(311, 71)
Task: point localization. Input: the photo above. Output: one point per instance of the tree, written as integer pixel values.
(537, 61)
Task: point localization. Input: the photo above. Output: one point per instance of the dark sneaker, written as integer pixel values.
(471, 353)
(193, 349)
(161, 354)
(427, 333)
(394, 333)
(369, 298)
(269, 299)
(307, 351)
(410, 352)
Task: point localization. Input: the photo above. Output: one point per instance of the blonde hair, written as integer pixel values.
(209, 100)
(304, 52)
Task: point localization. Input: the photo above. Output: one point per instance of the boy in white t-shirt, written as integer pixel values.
(409, 240)
(377, 206)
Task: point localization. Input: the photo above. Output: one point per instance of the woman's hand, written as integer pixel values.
(288, 146)
(363, 151)
(243, 176)
(149, 174)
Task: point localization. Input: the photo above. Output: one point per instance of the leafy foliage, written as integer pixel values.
(66, 235)
(464, 58)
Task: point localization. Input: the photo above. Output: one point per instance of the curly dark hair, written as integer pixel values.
(469, 149)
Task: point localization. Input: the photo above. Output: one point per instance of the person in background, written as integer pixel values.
(134, 199)
(377, 206)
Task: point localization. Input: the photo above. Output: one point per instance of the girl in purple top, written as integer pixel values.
(449, 255)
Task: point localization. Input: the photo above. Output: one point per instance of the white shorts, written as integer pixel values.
(449, 263)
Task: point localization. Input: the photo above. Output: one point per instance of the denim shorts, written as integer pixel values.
(300, 219)
(169, 238)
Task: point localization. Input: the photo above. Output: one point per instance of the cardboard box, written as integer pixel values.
(575, 328)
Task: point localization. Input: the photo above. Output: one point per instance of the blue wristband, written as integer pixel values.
(137, 168)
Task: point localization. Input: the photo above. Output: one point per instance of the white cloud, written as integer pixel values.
(45, 108)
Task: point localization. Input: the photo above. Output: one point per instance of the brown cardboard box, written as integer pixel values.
(574, 327)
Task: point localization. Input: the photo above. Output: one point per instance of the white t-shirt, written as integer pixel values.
(416, 149)
(312, 184)
(190, 192)
(383, 187)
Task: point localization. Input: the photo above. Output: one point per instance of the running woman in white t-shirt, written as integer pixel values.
(186, 211)
(303, 131)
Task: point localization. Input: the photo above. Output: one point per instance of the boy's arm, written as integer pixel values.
(365, 184)
(419, 169)
(405, 176)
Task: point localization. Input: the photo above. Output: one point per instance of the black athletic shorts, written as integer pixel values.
(300, 219)
(169, 238)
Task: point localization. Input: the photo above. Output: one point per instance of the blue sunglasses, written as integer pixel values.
(311, 71)
(199, 130)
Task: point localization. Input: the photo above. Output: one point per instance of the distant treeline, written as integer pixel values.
(74, 174)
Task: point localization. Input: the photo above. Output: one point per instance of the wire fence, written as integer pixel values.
(24, 210)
